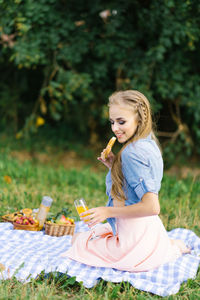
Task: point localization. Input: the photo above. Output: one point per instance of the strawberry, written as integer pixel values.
(19, 221)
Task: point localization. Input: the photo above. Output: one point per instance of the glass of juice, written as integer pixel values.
(81, 206)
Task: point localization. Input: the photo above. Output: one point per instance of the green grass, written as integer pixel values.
(32, 179)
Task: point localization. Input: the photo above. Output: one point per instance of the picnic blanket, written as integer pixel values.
(25, 254)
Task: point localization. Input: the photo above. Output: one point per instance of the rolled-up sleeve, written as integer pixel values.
(138, 174)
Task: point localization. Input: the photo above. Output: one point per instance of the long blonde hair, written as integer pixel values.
(142, 110)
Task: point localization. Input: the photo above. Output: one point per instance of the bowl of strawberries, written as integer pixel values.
(26, 223)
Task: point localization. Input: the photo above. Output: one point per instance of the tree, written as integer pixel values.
(62, 59)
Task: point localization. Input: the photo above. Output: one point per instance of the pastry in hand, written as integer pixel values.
(108, 148)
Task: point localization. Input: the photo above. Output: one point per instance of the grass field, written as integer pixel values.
(24, 181)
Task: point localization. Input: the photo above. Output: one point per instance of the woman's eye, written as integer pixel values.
(122, 122)
(111, 122)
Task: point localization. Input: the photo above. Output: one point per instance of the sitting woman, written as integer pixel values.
(134, 239)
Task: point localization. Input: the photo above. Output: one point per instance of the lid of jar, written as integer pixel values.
(46, 200)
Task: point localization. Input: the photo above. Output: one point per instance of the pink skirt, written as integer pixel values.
(141, 244)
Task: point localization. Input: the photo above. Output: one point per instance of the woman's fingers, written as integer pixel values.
(108, 161)
(89, 218)
(102, 157)
(94, 215)
(86, 216)
(99, 158)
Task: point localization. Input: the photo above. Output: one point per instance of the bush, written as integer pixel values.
(61, 61)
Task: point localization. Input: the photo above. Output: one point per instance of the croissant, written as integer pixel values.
(108, 148)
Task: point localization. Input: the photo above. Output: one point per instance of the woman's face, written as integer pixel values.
(123, 121)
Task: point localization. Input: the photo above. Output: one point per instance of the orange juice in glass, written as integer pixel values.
(81, 207)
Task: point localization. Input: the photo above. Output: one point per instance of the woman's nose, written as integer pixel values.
(114, 127)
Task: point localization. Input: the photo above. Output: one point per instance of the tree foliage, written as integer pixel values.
(60, 60)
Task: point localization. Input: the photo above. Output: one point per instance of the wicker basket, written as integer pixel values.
(58, 229)
(33, 227)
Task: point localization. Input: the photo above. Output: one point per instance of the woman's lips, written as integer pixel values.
(119, 135)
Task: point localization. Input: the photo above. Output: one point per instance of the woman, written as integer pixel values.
(134, 239)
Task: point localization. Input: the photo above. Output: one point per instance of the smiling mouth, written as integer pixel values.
(119, 135)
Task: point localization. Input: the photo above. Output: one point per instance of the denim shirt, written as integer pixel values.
(142, 168)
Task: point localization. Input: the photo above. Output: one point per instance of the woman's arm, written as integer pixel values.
(148, 206)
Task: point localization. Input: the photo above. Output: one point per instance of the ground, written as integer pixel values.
(71, 159)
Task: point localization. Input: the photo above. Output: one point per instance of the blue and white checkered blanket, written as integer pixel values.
(25, 254)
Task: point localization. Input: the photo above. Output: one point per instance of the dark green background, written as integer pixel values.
(61, 60)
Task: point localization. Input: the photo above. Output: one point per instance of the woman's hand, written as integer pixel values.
(95, 215)
(108, 161)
